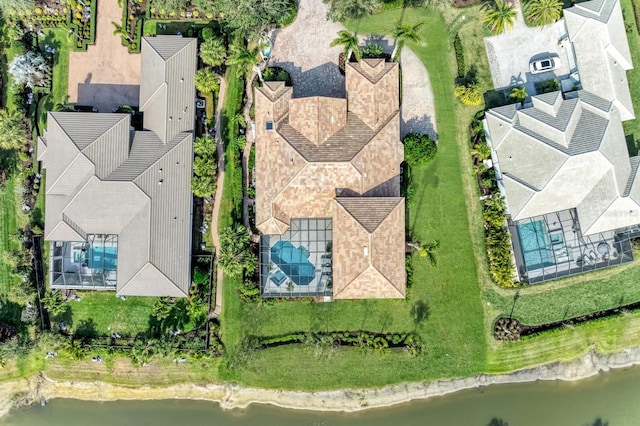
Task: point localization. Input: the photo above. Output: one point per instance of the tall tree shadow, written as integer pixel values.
(599, 422)
(419, 313)
(497, 422)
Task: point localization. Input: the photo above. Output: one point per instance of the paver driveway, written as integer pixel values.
(509, 54)
(303, 50)
(106, 75)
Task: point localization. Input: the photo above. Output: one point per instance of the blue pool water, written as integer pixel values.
(293, 262)
(98, 254)
(536, 245)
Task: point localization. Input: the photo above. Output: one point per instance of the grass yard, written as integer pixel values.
(58, 39)
(453, 333)
(231, 204)
(572, 297)
(7, 227)
(632, 127)
(103, 313)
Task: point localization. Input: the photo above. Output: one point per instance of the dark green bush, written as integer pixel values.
(418, 149)
(547, 86)
(373, 50)
(457, 46)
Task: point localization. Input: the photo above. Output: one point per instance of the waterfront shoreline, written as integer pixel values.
(23, 392)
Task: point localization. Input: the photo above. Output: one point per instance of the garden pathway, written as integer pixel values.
(106, 75)
(218, 197)
(303, 50)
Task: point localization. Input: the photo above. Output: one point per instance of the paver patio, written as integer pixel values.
(106, 75)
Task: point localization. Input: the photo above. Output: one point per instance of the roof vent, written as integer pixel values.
(170, 118)
(160, 181)
(365, 249)
(181, 79)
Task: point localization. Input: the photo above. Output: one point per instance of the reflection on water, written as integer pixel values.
(611, 399)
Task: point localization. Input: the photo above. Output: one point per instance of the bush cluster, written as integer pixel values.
(547, 86)
(457, 46)
(363, 339)
(498, 242)
(418, 149)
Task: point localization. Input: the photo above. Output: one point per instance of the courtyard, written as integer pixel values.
(106, 75)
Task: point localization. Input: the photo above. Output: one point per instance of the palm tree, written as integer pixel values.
(213, 52)
(543, 12)
(499, 15)
(518, 94)
(12, 130)
(349, 43)
(427, 250)
(206, 80)
(481, 150)
(403, 33)
(119, 30)
(235, 251)
(245, 58)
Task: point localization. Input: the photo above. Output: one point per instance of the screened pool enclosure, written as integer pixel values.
(85, 265)
(298, 262)
(552, 246)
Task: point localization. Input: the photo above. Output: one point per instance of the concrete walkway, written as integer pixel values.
(106, 75)
(303, 50)
(218, 198)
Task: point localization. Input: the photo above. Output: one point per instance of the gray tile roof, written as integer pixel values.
(573, 156)
(167, 91)
(597, 32)
(103, 178)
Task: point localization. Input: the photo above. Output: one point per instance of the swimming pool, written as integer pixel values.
(536, 245)
(99, 254)
(293, 262)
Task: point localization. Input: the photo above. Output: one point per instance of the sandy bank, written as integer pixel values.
(26, 391)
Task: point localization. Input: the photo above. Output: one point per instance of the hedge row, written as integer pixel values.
(363, 339)
(457, 46)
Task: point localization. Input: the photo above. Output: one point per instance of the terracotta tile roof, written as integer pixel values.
(311, 150)
(369, 248)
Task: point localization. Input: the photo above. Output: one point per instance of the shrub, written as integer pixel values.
(418, 149)
(547, 86)
(207, 33)
(373, 50)
(469, 94)
(457, 46)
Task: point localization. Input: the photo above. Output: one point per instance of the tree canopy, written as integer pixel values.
(543, 12)
(343, 10)
(349, 43)
(235, 251)
(213, 52)
(418, 149)
(403, 33)
(31, 70)
(251, 16)
(206, 80)
(499, 15)
(12, 130)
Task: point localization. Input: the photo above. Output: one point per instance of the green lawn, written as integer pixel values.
(453, 333)
(632, 127)
(231, 204)
(104, 313)
(58, 39)
(572, 297)
(7, 227)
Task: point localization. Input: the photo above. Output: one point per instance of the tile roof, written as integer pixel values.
(324, 157)
(597, 31)
(103, 178)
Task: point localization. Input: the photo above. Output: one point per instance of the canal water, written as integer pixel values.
(611, 399)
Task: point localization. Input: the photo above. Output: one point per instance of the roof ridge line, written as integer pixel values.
(124, 116)
(67, 168)
(158, 159)
(375, 132)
